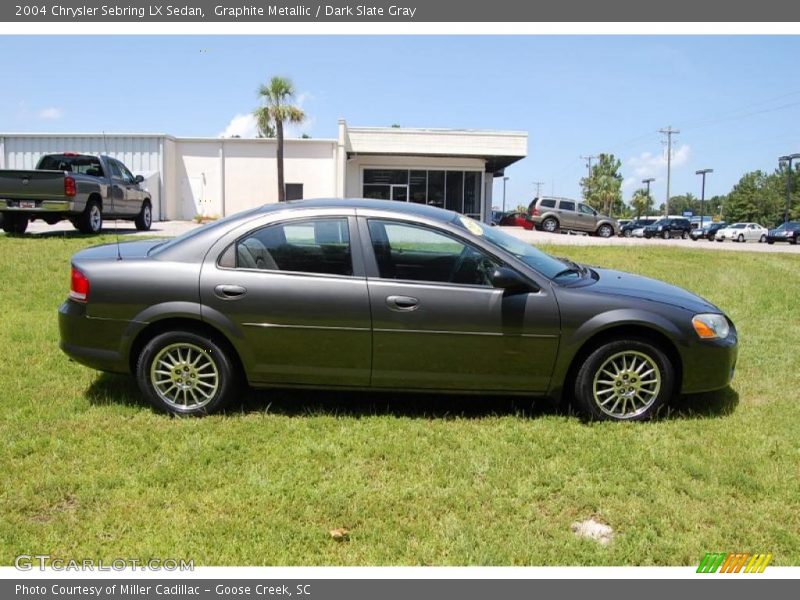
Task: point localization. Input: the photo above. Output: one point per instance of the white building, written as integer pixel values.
(451, 168)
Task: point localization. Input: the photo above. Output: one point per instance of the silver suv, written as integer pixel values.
(552, 214)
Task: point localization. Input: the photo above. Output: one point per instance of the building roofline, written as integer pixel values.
(439, 131)
(159, 135)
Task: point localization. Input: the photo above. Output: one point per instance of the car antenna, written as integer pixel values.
(111, 193)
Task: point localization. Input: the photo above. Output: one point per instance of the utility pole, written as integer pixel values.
(669, 132)
(538, 185)
(589, 160)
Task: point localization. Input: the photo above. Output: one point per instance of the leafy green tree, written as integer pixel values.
(602, 189)
(756, 197)
(682, 203)
(275, 111)
(641, 203)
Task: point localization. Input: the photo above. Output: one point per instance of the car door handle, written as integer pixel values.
(230, 292)
(402, 303)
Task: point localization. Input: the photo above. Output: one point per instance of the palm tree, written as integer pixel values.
(642, 202)
(277, 110)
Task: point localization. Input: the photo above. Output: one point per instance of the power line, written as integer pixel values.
(589, 160)
(669, 132)
(538, 185)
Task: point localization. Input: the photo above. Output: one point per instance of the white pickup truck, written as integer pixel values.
(80, 187)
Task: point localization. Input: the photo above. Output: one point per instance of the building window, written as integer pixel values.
(459, 191)
(294, 191)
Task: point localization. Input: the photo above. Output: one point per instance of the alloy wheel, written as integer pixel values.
(184, 376)
(626, 384)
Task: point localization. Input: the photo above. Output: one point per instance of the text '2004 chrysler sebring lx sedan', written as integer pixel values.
(372, 294)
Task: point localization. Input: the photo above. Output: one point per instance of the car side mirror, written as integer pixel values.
(138, 179)
(511, 281)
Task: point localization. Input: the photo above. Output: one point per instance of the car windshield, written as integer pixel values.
(544, 263)
(789, 226)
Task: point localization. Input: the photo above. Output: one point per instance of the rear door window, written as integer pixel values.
(566, 205)
(548, 203)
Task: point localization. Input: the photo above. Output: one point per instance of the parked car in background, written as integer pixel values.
(640, 223)
(742, 232)
(79, 187)
(554, 214)
(425, 299)
(517, 219)
(669, 227)
(497, 216)
(785, 232)
(623, 222)
(707, 231)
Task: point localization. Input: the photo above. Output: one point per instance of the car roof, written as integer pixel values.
(407, 208)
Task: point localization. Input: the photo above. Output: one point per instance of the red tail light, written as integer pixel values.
(79, 286)
(69, 186)
(535, 212)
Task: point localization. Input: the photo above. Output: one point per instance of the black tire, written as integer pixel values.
(605, 231)
(550, 224)
(145, 217)
(740, 239)
(91, 219)
(792, 241)
(656, 395)
(762, 239)
(665, 234)
(770, 242)
(684, 235)
(15, 224)
(627, 233)
(200, 400)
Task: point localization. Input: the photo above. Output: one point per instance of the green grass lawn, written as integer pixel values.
(88, 470)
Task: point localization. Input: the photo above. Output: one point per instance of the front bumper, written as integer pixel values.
(780, 238)
(709, 364)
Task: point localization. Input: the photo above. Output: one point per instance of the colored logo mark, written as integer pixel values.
(734, 562)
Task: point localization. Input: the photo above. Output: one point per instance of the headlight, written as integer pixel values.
(711, 326)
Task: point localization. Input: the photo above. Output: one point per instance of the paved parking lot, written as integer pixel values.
(173, 228)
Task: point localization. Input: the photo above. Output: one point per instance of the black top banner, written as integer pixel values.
(419, 11)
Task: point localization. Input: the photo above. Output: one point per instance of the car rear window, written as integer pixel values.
(86, 165)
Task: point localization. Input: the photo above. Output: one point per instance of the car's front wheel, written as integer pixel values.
(665, 235)
(740, 239)
(605, 231)
(624, 380)
(762, 239)
(186, 374)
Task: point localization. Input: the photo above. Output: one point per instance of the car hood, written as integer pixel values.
(134, 249)
(619, 283)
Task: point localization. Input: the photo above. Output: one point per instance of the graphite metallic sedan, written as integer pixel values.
(368, 294)
(785, 232)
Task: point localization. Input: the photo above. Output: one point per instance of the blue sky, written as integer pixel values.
(736, 100)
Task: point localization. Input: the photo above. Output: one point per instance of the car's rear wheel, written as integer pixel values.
(624, 380)
(91, 219)
(15, 224)
(186, 374)
(145, 217)
(627, 233)
(605, 231)
(550, 225)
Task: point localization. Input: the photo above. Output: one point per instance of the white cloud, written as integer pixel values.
(51, 113)
(242, 125)
(647, 165)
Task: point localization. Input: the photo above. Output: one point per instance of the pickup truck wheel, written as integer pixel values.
(145, 217)
(91, 220)
(15, 224)
(186, 374)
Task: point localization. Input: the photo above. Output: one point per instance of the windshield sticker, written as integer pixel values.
(471, 225)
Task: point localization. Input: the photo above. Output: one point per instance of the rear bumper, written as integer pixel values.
(41, 206)
(91, 342)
